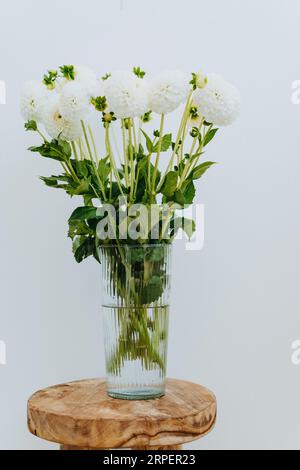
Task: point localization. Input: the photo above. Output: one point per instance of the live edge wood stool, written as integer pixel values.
(80, 416)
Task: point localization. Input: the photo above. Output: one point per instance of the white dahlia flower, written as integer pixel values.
(87, 78)
(126, 94)
(168, 90)
(98, 89)
(34, 97)
(74, 101)
(57, 125)
(83, 75)
(219, 102)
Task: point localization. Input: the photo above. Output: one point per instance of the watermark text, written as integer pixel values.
(161, 223)
(295, 358)
(2, 353)
(2, 92)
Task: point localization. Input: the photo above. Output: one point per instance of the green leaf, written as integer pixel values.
(104, 169)
(54, 181)
(193, 82)
(156, 253)
(82, 188)
(115, 191)
(77, 228)
(56, 150)
(106, 77)
(187, 225)
(137, 255)
(179, 198)
(147, 117)
(66, 147)
(88, 198)
(209, 136)
(189, 192)
(49, 181)
(152, 291)
(84, 213)
(142, 169)
(49, 79)
(201, 169)
(170, 184)
(139, 72)
(142, 165)
(165, 145)
(68, 71)
(99, 103)
(85, 249)
(81, 168)
(31, 126)
(149, 143)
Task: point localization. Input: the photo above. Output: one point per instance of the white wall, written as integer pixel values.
(236, 303)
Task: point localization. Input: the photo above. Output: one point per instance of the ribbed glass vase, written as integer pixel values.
(135, 306)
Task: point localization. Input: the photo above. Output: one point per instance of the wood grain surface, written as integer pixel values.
(81, 415)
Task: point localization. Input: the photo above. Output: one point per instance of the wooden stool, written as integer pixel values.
(80, 416)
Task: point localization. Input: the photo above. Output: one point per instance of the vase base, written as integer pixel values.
(136, 394)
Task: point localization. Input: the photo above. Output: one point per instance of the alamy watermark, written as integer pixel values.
(295, 358)
(2, 353)
(295, 96)
(143, 223)
(2, 92)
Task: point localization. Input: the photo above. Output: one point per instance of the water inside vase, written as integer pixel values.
(136, 341)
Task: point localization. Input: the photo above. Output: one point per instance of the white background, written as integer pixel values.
(236, 303)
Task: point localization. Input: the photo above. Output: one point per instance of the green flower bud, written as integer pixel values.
(201, 80)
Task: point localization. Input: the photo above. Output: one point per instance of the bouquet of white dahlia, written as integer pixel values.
(132, 174)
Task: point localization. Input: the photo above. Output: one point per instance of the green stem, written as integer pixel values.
(74, 151)
(162, 121)
(134, 135)
(196, 138)
(136, 183)
(112, 160)
(182, 144)
(179, 135)
(125, 153)
(149, 170)
(42, 136)
(82, 156)
(110, 184)
(65, 168)
(93, 144)
(149, 175)
(140, 132)
(71, 169)
(164, 226)
(194, 164)
(87, 140)
(101, 186)
(116, 144)
(131, 161)
(199, 150)
(190, 165)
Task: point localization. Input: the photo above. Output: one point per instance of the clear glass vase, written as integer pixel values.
(135, 294)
